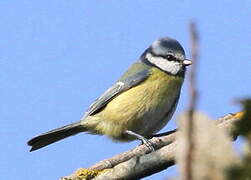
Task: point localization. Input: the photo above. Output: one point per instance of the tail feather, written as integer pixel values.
(55, 135)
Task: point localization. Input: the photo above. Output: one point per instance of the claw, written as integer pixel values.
(144, 141)
(148, 144)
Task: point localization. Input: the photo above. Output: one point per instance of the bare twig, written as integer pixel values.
(193, 100)
(137, 164)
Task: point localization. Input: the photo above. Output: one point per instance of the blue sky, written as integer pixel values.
(56, 57)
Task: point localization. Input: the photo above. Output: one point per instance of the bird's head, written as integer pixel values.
(168, 55)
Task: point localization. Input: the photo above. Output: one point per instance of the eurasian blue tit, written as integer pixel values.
(138, 105)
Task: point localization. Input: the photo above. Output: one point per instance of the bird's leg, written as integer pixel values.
(142, 138)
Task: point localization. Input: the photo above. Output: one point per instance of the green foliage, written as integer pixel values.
(243, 128)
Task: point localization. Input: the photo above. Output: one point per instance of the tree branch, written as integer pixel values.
(139, 163)
(193, 101)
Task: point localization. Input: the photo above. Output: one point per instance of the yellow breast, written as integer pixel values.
(140, 108)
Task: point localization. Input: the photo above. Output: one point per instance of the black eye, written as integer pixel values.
(170, 57)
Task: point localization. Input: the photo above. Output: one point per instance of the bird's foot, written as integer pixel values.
(144, 140)
(148, 144)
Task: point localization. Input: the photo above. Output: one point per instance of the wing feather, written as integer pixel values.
(115, 90)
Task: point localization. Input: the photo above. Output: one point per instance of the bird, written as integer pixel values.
(137, 105)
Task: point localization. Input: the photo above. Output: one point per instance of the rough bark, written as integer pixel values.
(139, 162)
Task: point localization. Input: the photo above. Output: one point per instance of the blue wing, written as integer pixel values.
(116, 89)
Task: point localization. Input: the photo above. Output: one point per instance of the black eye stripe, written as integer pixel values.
(168, 57)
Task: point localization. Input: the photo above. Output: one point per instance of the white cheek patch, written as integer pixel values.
(172, 67)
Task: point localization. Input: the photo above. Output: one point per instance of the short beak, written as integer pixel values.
(187, 62)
